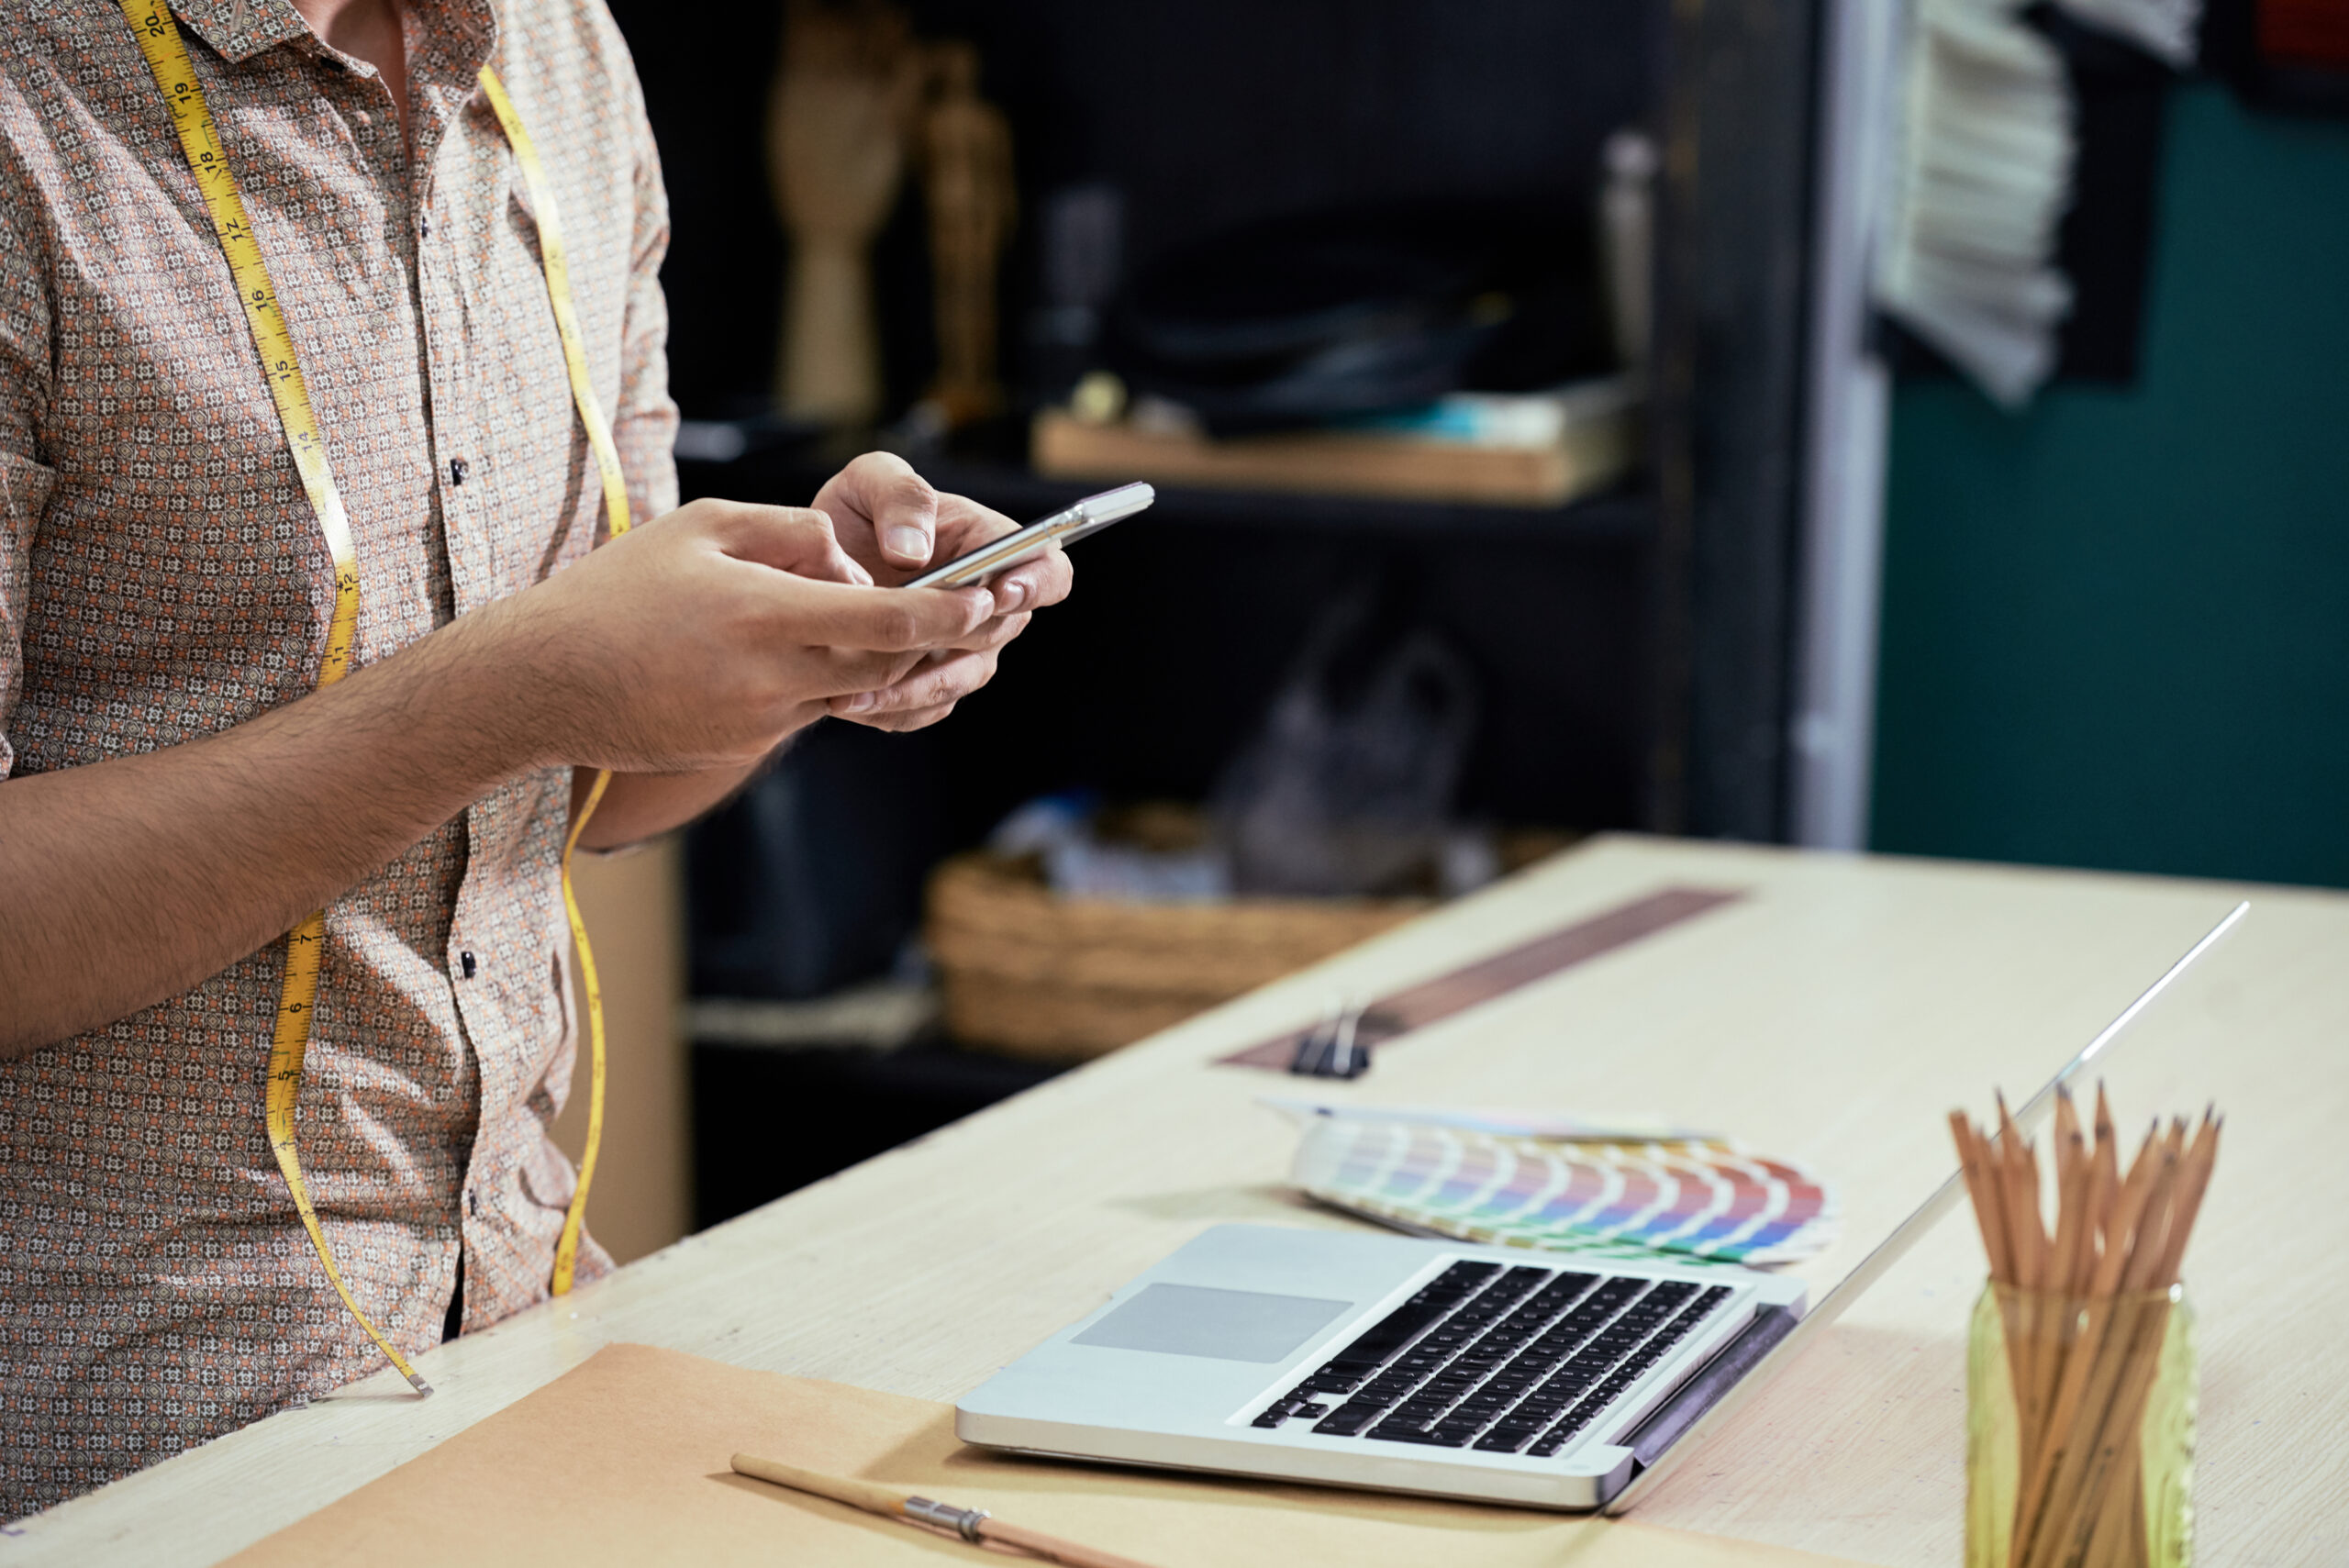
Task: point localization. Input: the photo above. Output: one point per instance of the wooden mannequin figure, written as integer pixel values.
(836, 151)
(966, 166)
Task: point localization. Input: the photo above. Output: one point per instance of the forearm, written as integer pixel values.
(637, 806)
(127, 881)
(681, 652)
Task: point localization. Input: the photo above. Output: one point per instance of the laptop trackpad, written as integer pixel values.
(1227, 1325)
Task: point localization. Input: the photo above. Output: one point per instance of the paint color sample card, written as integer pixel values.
(1706, 1200)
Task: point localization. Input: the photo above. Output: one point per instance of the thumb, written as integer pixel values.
(903, 506)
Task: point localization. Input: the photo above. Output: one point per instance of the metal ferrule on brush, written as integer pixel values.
(965, 1522)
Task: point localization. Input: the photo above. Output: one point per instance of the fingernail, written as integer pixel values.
(861, 701)
(911, 543)
(1009, 596)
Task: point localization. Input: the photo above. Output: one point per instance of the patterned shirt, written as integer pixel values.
(162, 578)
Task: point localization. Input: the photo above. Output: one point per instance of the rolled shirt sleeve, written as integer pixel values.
(644, 426)
(26, 482)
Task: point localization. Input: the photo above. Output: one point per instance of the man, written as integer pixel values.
(175, 796)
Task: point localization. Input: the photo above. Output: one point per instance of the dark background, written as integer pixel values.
(1206, 113)
(1631, 649)
(1203, 115)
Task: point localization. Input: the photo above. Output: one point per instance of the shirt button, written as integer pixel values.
(424, 226)
(456, 471)
(473, 1203)
(465, 963)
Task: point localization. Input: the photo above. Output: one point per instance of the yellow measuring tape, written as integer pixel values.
(607, 464)
(160, 41)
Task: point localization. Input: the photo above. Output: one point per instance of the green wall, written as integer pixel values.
(2116, 627)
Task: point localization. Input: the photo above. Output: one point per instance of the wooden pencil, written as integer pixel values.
(1969, 1171)
(2145, 1247)
(2200, 1156)
(2068, 1130)
(2072, 1172)
(2107, 1160)
(2003, 1263)
(2025, 1237)
(2095, 1202)
(2037, 1284)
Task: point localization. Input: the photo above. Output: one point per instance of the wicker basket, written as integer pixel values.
(1032, 975)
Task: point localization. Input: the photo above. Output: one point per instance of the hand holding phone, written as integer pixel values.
(1089, 515)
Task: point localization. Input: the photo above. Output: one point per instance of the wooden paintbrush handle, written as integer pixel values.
(865, 1495)
(1053, 1549)
(891, 1501)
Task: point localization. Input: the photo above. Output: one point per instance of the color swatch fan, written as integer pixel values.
(1704, 1200)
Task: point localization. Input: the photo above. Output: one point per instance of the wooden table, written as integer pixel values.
(1833, 1013)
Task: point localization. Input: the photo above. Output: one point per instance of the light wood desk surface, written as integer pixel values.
(1833, 1015)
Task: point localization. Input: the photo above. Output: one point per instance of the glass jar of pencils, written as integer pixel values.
(2079, 1430)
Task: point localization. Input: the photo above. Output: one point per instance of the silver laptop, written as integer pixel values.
(1380, 1360)
(1411, 1365)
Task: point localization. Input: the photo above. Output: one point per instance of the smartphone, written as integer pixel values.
(1089, 515)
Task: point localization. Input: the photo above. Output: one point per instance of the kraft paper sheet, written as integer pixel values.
(623, 1460)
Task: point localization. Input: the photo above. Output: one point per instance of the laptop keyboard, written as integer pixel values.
(1505, 1360)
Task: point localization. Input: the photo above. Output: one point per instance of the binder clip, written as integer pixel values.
(1332, 1049)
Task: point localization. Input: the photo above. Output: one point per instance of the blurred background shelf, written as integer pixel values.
(1625, 515)
(1628, 650)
